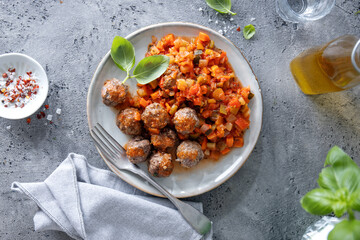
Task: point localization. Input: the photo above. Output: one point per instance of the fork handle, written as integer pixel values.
(194, 217)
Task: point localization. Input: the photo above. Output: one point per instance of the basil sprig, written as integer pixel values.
(222, 6)
(249, 31)
(338, 192)
(147, 70)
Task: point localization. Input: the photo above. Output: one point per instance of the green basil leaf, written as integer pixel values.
(343, 173)
(222, 6)
(249, 31)
(123, 53)
(327, 179)
(318, 201)
(346, 230)
(151, 68)
(334, 178)
(355, 201)
(340, 204)
(337, 157)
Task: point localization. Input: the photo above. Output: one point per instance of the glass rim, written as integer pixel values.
(353, 55)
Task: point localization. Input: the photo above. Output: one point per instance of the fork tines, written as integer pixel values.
(106, 143)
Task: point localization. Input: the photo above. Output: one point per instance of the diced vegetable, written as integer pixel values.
(238, 142)
(204, 37)
(223, 109)
(211, 44)
(181, 84)
(225, 151)
(212, 136)
(234, 110)
(154, 130)
(211, 146)
(229, 141)
(221, 145)
(173, 109)
(228, 126)
(231, 118)
(218, 94)
(206, 129)
(242, 123)
(250, 96)
(203, 63)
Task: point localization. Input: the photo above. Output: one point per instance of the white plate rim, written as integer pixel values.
(174, 24)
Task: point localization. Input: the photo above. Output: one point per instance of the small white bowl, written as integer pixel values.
(22, 64)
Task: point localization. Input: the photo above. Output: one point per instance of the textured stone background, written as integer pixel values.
(262, 200)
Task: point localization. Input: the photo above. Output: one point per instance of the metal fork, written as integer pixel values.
(115, 154)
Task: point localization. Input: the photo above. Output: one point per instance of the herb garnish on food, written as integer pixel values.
(222, 6)
(147, 70)
(339, 192)
(249, 31)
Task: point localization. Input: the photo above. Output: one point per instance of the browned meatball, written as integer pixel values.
(189, 154)
(167, 82)
(114, 92)
(138, 149)
(155, 116)
(185, 120)
(129, 121)
(160, 164)
(166, 139)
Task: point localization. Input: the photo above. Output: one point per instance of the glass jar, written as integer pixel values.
(332, 67)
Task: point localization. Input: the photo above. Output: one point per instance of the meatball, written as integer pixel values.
(189, 153)
(160, 164)
(166, 139)
(138, 149)
(167, 82)
(185, 120)
(114, 92)
(155, 116)
(129, 121)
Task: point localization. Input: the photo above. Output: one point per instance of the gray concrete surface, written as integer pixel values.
(262, 200)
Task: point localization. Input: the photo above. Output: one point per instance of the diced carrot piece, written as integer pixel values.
(204, 89)
(238, 142)
(242, 123)
(204, 37)
(234, 102)
(206, 113)
(137, 116)
(156, 95)
(212, 136)
(204, 144)
(144, 103)
(229, 141)
(225, 151)
(197, 101)
(245, 93)
(199, 45)
(219, 94)
(219, 120)
(154, 130)
(194, 90)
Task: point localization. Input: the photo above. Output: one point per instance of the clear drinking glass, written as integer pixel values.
(303, 10)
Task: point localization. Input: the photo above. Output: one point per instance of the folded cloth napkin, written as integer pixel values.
(91, 203)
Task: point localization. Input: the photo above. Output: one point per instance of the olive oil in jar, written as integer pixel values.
(328, 68)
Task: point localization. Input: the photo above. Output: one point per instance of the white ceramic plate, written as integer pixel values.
(22, 64)
(207, 174)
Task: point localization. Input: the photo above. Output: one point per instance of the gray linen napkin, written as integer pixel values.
(91, 203)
